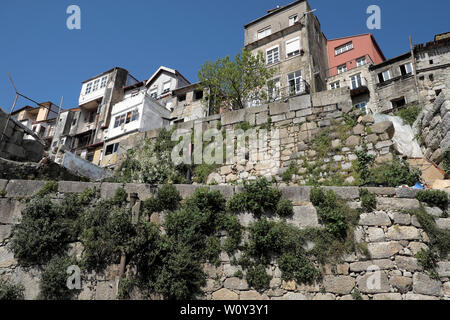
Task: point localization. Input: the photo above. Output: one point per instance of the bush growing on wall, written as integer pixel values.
(437, 198)
(10, 291)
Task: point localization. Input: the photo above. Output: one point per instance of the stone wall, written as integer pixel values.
(433, 124)
(13, 146)
(392, 237)
(297, 121)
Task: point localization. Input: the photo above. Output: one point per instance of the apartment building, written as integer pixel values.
(187, 104)
(349, 60)
(137, 112)
(161, 84)
(41, 120)
(291, 41)
(93, 116)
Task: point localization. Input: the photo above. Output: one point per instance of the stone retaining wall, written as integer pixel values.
(392, 237)
(298, 120)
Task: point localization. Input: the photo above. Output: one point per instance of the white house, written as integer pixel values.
(137, 112)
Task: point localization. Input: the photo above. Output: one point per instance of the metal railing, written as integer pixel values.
(300, 88)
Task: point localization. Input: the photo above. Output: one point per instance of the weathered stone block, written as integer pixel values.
(397, 204)
(23, 188)
(144, 191)
(252, 295)
(374, 219)
(406, 192)
(376, 235)
(6, 258)
(407, 263)
(235, 284)
(423, 284)
(339, 284)
(359, 266)
(232, 117)
(443, 268)
(224, 294)
(373, 282)
(346, 193)
(10, 211)
(105, 290)
(403, 284)
(5, 232)
(383, 127)
(75, 186)
(387, 296)
(107, 189)
(227, 191)
(304, 216)
(296, 193)
(300, 102)
(402, 218)
(443, 223)
(381, 250)
(403, 233)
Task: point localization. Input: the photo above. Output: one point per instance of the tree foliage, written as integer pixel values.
(232, 84)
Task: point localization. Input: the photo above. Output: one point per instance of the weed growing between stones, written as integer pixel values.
(368, 200)
(434, 198)
(439, 245)
(10, 291)
(409, 114)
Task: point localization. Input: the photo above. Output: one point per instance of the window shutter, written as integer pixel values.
(293, 46)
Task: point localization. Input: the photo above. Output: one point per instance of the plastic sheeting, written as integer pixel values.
(404, 138)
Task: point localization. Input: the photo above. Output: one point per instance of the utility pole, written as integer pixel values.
(413, 58)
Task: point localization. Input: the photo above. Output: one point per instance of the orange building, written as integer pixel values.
(351, 52)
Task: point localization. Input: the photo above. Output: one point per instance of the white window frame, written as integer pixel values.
(356, 81)
(388, 73)
(361, 61)
(273, 57)
(154, 93)
(339, 68)
(359, 106)
(95, 85)
(406, 67)
(164, 85)
(335, 85)
(264, 32)
(298, 81)
(88, 89)
(344, 48)
(293, 19)
(295, 52)
(103, 82)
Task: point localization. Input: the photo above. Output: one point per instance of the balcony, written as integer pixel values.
(358, 86)
(300, 88)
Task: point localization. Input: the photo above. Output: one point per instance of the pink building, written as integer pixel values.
(351, 52)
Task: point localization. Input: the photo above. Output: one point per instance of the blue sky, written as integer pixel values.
(48, 61)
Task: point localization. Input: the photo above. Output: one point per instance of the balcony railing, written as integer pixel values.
(302, 87)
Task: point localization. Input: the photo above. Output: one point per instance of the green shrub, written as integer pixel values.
(285, 208)
(3, 193)
(10, 291)
(45, 231)
(298, 268)
(446, 161)
(368, 200)
(330, 211)
(409, 114)
(202, 171)
(356, 295)
(53, 284)
(287, 175)
(322, 143)
(363, 164)
(258, 278)
(49, 188)
(238, 274)
(244, 125)
(395, 174)
(428, 260)
(125, 288)
(434, 198)
(258, 197)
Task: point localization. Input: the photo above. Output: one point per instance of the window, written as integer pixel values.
(344, 48)
(406, 69)
(154, 93)
(88, 88)
(55, 143)
(128, 117)
(264, 33)
(104, 81)
(135, 93)
(166, 87)
(384, 76)
(112, 148)
(293, 19)
(135, 115)
(273, 89)
(397, 103)
(335, 85)
(361, 61)
(356, 81)
(198, 94)
(95, 85)
(295, 82)
(292, 47)
(91, 116)
(362, 106)
(116, 122)
(122, 120)
(74, 121)
(90, 157)
(273, 55)
(182, 98)
(342, 68)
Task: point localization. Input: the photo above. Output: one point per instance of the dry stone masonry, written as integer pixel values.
(392, 238)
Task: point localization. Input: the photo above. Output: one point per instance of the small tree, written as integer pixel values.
(232, 84)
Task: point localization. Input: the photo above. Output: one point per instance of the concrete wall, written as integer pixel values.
(392, 238)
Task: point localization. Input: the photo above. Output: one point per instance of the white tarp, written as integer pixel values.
(404, 138)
